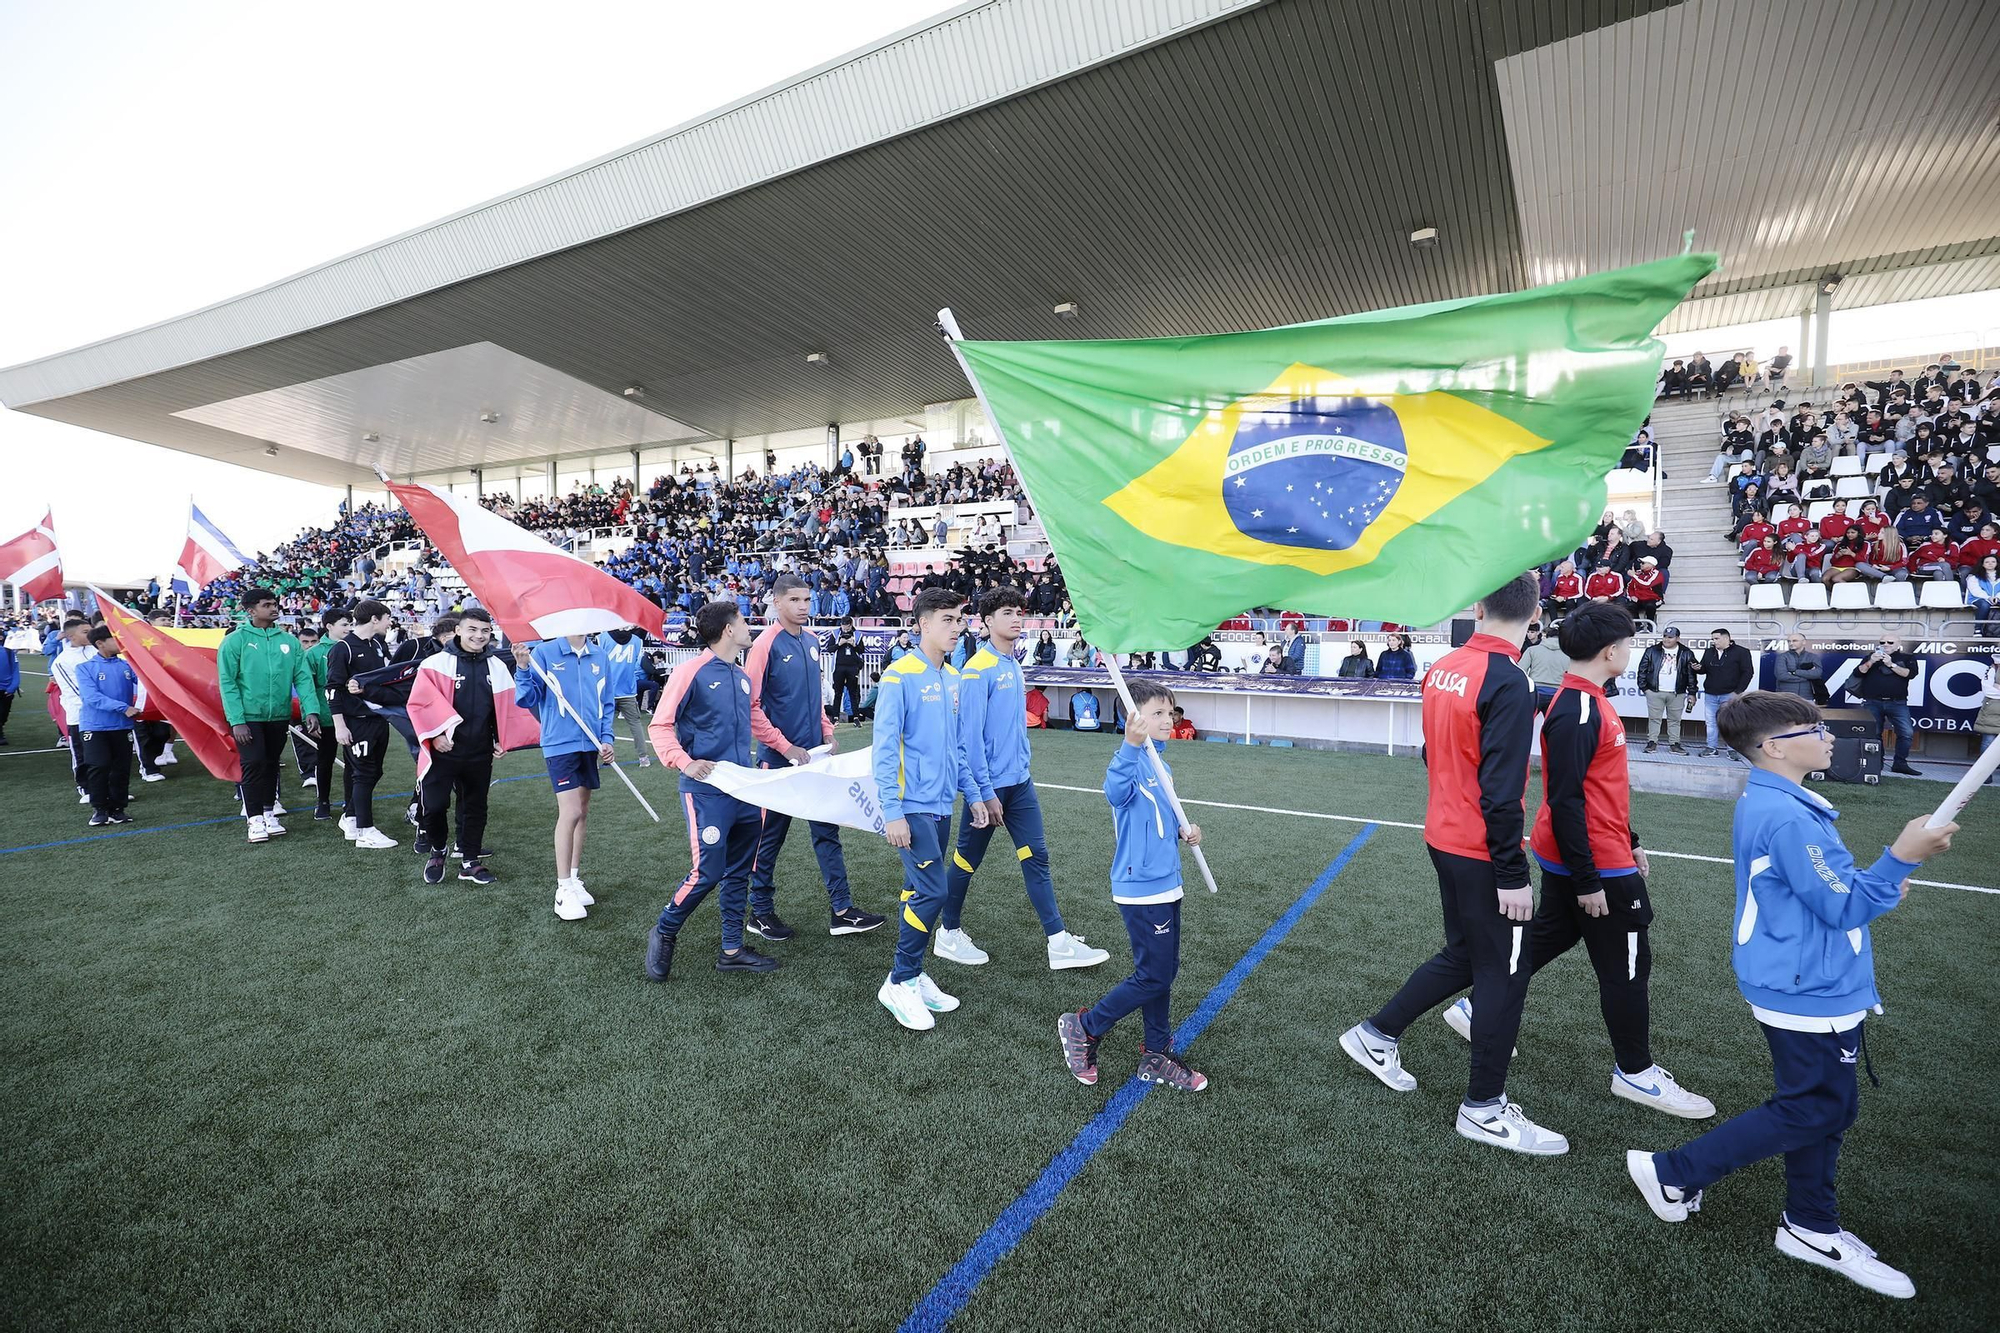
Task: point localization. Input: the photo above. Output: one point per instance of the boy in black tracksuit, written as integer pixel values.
(362, 732)
(461, 760)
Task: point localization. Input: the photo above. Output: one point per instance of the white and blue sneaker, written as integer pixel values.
(1505, 1125)
(1656, 1088)
(1383, 1059)
(1845, 1254)
(1458, 1017)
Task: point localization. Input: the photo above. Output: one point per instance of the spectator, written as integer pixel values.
(1605, 584)
(1775, 368)
(1845, 557)
(1987, 723)
(1646, 588)
(1084, 712)
(1567, 592)
(1835, 525)
(1795, 668)
(1667, 678)
(1871, 518)
(1295, 654)
(1038, 707)
(1545, 663)
(1274, 661)
(1807, 559)
(1205, 656)
(1183, 729)
(1728, 374)
(1700, 375)
(1936, 558)
(1751, 532)
(1656, 546)
(1397, 662)
(1726, 672)
(1882, 682)
(1982, 594)
(1674, 380)
(1887, 561)
(1761, 563)
(1081, 655)
(1045, 649)
(1972, 553)
(1356, 666)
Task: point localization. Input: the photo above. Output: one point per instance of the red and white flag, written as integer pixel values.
(434, 706)
(32, 561)
(206, 556)
(535, 590)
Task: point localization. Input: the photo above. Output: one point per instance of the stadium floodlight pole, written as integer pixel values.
(947, 324)
(1975, 777)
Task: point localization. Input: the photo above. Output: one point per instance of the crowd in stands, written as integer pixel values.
(1623, 563)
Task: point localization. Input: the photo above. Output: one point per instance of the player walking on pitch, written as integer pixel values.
(1479, 713)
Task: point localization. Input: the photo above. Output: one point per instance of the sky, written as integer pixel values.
(161, 157)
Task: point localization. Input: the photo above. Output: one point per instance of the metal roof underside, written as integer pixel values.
(1176, 166)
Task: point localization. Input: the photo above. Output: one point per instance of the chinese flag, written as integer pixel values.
(182, 682)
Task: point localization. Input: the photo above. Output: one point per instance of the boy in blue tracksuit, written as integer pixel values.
(1146, 885)
(624, 664)
(919, 770)
(575, 717)
(704, 720)
(993, 724)
(109, 689)
(1804, 962)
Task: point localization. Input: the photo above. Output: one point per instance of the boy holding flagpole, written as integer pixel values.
(564, 682)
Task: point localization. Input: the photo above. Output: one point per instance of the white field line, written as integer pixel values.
(1392, 823)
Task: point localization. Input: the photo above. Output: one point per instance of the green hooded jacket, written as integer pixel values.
(259, 669)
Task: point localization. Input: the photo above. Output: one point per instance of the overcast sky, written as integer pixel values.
(160, 157)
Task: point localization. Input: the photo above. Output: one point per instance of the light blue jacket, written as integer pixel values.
(621, 664)
(1803, 906)
(918, 763)
(108, 686)
(993, 721)
(584, 677)
(1146, 863)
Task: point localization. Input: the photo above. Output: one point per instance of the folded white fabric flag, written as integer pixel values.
(836, 789)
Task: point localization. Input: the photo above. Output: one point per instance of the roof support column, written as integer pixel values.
(1805, 342)
(1822, 313)
(479, 483)
(832, 445)
(638, 482)
(728, 459)
(552, 478)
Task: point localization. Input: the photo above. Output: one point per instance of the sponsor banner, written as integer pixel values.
(1330, 687)
(1944, 694)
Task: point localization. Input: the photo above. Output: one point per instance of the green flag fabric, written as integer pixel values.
(1396, 465)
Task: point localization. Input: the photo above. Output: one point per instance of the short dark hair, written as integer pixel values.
(1748, 719)
(785, 583)
(1719, 630)
(1514, 600)
(469, 613)
(100, 634)
(335, 614)
(74, 620)
(1593, 627)
(713, 621)
(369, 610)
(252, 596)
(1001, 598)
(1145, 691)
(936, 599)
(445, 624)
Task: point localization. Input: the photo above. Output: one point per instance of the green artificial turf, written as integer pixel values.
(291, 1086)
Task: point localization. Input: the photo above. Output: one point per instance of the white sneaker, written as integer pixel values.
(347, 829)
(1458, 1017)
(272, 826)
(645, 761)
(83, 798)
(1507, 1126)
(1668, 1202)
(955, 946)
(905, 999)
(167, 756)
(568, 906)
(1383, 1061)
(372, 839)
(312, 780)
(577, 891)
(276, 807)
(1067, 950)
(935, 999)
(152, 777)
(257, 830)
(1656, 1088)
(1845, 1254)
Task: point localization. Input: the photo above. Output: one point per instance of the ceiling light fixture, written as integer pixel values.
(270, 451)
(1424, 237)
(635, 391)
(1067, 310)
(489, 417)
(816, 358)
(371, 438)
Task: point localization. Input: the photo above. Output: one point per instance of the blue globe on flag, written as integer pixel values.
(1315, 472)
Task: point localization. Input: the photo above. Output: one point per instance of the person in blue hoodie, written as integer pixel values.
(1804, 962)
(920, 770)
(1146, 885)
(110, 692)
(993, 718)
(566, 684)
(10, 685)
(625, 666)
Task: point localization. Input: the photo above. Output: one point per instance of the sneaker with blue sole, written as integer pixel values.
(1656, 1088)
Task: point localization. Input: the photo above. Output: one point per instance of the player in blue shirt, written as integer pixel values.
(566, 684)
(919, 770)
(993, 722)
(1804, 961)
(110, 692)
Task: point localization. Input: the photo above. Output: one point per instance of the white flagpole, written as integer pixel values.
(948, 326)
(1982, 769)
(562, 706)
(315, 744)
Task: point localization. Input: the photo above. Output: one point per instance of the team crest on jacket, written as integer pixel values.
(744, 683)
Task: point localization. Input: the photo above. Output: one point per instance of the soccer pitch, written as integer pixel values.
(291, 1086)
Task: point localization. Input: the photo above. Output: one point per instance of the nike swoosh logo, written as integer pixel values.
(1368, 1051)
(1830, 1251)
(1496, 1133)
(1653, 1091)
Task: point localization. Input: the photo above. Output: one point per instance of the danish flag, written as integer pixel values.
(32, 561)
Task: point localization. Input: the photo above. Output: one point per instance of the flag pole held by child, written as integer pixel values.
(948, 326)
(1975, 777)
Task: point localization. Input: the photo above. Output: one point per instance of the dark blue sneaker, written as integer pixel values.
(659, 955)
(745, 959)
(853, 921)
(434, 869)
(475, 873)
(768, 925)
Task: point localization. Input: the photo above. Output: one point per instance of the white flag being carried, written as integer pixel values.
(833, 789)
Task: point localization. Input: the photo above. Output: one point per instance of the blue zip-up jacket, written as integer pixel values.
(993, 719)
(1146, 862)
(704, 713)
(10, 671)
(918, 763)
(1803, 906)
(787, 702)
(621, 664)
(108, 686)
(583, 676)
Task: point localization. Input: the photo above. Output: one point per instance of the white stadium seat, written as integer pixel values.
(1766, 597)
(1941, 594)
(1895, 597)
(1847, 465)
(1809, 597)
(1854, 488)
(1850, 596)
(1816, 512)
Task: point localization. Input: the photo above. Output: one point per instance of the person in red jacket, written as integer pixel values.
(1646, 587)
(1794, 530)
(1972, 552)
(1887, 560)
(1605, 584)
(1807, 559)
(1593, 869)
(1479, 716)
(1762, 563)
(1753, 532)
(1872, 519)
(1844, 558)
(1567, 592)
(1936, 559)
(1835, 525)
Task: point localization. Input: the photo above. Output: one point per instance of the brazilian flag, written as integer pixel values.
(1396, 465)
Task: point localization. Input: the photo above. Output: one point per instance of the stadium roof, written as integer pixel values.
(1174, 166)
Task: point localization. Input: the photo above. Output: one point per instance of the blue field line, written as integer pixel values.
(943, 1302)
(204, 823)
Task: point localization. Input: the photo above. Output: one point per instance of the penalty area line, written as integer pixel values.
(1392, 823)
